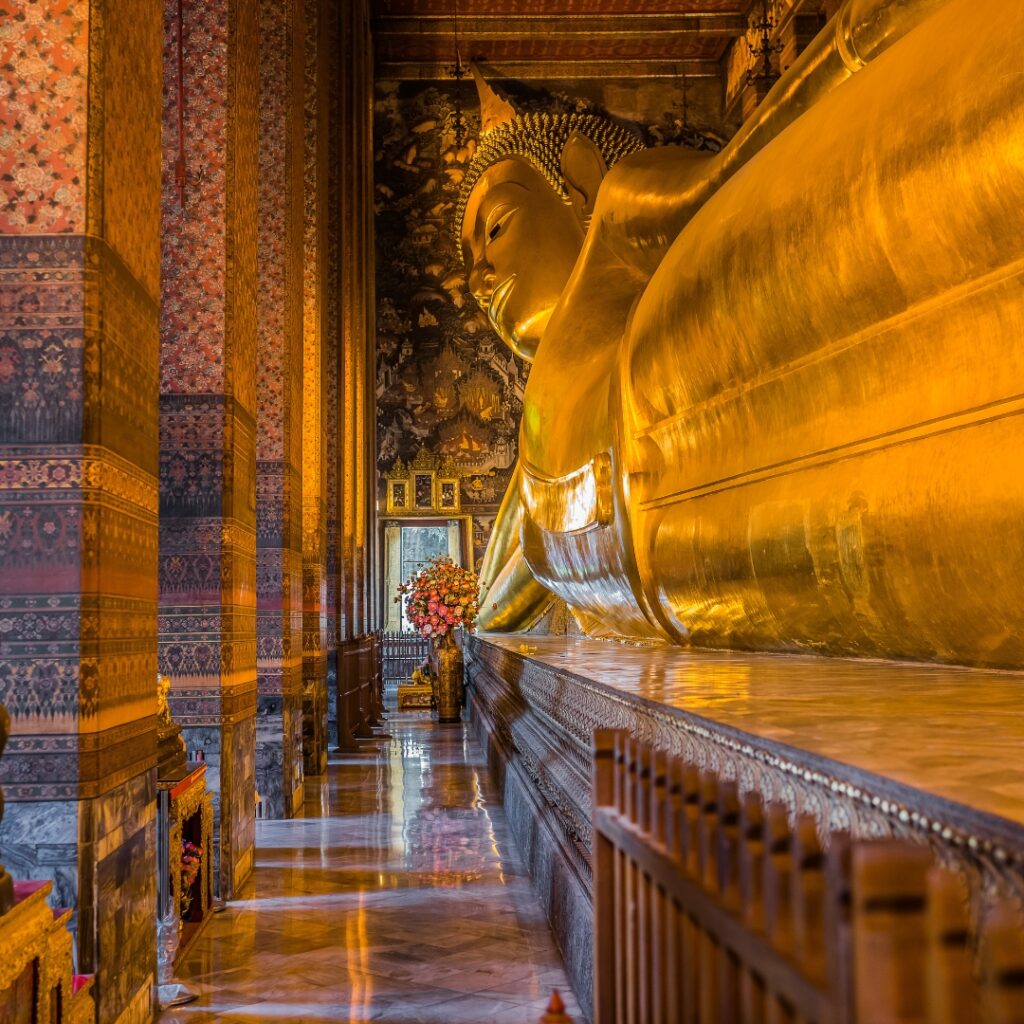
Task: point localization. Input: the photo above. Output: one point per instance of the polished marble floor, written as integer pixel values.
(400, 897)
(954, 733)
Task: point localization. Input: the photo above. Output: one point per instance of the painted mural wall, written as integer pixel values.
(446, 384)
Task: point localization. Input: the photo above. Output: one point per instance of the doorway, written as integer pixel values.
(408, 546)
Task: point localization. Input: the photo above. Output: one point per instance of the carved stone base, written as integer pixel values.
(536, 714)
(559, 866)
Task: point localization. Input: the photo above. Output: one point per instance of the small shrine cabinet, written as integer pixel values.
(185, 831)
(37, 982)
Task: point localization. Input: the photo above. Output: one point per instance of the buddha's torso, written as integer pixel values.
(808, 416)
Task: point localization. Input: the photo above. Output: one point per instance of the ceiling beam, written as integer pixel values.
(400, 71)
(486, 27)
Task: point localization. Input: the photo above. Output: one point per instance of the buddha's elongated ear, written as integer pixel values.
(584, 169)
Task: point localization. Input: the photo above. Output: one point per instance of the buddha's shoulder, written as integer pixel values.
(662, 167)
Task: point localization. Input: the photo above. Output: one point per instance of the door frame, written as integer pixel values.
(465, 523)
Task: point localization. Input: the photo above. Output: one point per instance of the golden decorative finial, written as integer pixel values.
(494, 110)
(556, 1011)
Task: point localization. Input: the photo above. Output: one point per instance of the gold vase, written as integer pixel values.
(448, 685)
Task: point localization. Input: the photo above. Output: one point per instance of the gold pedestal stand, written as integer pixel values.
(449, 669)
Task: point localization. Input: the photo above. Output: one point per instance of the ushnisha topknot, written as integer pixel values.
(539, 139)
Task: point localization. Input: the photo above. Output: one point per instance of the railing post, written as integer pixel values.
(347, 687)
(689, 974)
(809, 897)
(362, 703)
(778, 877)
(889, 890)
(952, 992)
(838, 927)
(727, 885)
(605, 885)
(660, 916)
(1002, 966)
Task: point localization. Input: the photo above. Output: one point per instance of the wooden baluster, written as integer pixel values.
(661, 965)
(727, 842)
(838, 929)
(691, 859)
(676, 953)
(809, 898)
(691, 820)
(644, 886)
(621, 740)
(752, 995)
(752, 861)
(621, 881)
(633, 966)
(952, 993)
(778, 877)
(604, 881)
(779, 871)
(889, 889)
(707, 948)
(1002, 966)
(643, 787)
(708, 830)
(629, 782)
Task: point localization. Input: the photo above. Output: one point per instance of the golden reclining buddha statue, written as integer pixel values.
(775, 393)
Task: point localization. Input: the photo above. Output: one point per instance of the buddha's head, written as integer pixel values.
(525, 205)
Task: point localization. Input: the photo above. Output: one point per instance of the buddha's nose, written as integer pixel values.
(481, 282)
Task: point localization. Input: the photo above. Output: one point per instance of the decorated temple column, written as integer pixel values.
(319, 56)
(208, 404)
(279, 403)
(79, 292)
(355, 384)
(330, 37)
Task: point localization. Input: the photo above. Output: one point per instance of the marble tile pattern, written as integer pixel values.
(399, 897)
(957, 734)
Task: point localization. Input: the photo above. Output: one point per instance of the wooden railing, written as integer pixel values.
(402, 652)
(360, 699)
(714, 907)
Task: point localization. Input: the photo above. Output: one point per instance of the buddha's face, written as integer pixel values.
(520, 241)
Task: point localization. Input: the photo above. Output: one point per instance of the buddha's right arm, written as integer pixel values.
(511, 600)
(648, 198)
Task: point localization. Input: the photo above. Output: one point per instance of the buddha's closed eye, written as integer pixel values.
(498, 219)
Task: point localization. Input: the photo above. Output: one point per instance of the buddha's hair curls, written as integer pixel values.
(539, 139)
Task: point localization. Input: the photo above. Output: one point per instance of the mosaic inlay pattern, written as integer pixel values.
(44, 57)
(207, 641)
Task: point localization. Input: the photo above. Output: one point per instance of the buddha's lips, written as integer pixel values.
(498, 299)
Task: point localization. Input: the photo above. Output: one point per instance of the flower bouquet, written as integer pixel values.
(439, 599)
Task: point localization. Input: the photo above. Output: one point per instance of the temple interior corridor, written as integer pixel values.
(399, 897)
(505, 497)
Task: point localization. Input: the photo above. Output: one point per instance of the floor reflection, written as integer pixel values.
(399, 898)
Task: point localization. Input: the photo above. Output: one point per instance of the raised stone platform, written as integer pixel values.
(875, 748)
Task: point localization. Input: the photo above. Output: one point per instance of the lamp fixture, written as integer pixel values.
(458, 72)
(764, 49)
